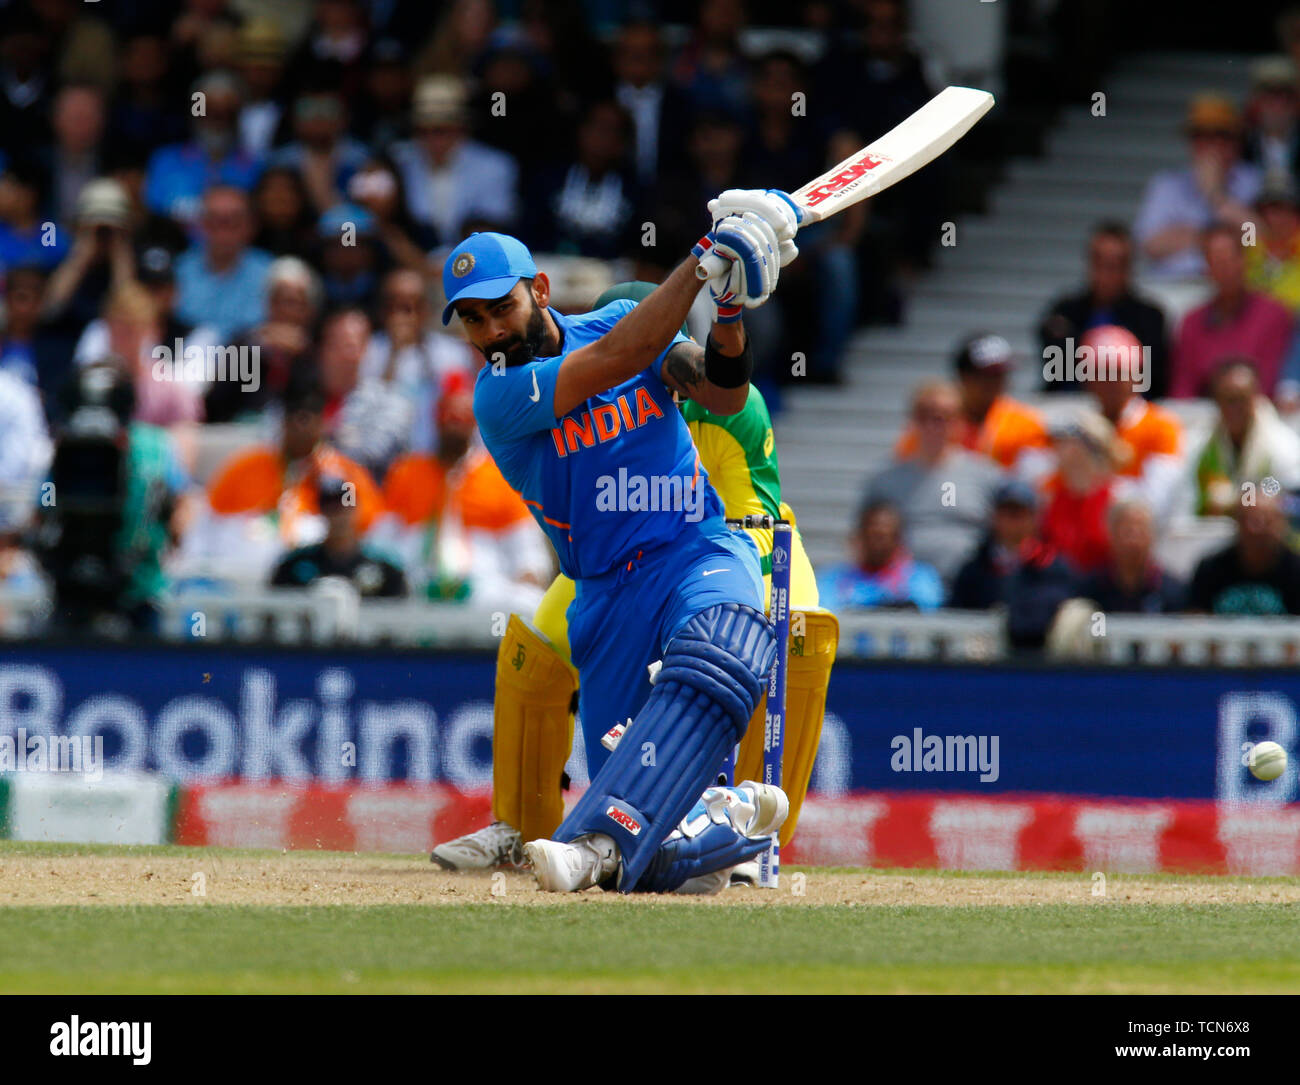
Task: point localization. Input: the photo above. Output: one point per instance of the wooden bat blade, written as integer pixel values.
(899, 153)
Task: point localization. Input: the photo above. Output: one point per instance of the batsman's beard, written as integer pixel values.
(534, 343)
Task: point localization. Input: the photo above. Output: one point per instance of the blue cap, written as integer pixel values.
(484, 265)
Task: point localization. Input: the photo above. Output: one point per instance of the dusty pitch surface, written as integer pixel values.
(189, 877)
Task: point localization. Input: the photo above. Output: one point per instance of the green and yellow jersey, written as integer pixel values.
(739, 452)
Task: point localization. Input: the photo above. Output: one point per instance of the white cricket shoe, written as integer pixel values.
(745, 875)
(497, 845)
(570, 868)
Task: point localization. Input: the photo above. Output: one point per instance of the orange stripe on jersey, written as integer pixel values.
(554, 523)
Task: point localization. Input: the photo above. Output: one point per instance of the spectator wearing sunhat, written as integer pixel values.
(450, 178)
(260, 62)
(1272, 121)
(1215, 187)
(991, 423)
(341, 553)
(99, 260)
(1014, 568)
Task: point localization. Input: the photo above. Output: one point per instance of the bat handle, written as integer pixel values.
(712, 264)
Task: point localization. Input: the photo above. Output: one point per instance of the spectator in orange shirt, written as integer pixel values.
(1078, 495)
(263, 500)
(1150, 448)
(991, 423)
(454, 519)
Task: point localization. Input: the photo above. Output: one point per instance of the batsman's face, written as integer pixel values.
(512, 327)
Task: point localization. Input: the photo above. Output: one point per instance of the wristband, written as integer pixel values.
(725, 370)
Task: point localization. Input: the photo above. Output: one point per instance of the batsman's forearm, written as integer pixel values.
(642, 335)
(729, 338)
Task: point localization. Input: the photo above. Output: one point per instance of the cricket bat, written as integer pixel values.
(899, 153)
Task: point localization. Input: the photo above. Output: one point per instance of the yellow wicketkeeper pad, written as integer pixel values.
(814, 637)
(532, 731)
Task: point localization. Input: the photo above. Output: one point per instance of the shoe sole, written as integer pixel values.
(536, 859)
(446, 864)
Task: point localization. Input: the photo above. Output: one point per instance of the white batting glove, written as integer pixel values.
(749, 243)
(772, 205)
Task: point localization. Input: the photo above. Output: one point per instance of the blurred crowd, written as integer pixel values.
(215, 211)
(988, 503)
(222, 226)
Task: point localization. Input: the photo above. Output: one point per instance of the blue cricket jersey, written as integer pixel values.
(591, 477)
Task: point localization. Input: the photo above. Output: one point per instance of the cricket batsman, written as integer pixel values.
(567, 404)
(537, 685)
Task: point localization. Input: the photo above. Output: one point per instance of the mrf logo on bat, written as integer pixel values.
(845, 178)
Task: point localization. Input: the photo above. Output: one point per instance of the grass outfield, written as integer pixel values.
(852, 932)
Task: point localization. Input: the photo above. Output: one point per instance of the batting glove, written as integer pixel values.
(775, 207)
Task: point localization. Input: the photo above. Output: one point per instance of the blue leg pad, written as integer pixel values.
(714, 671)
(700, 846)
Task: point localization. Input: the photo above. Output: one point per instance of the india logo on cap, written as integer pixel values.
(463, 265)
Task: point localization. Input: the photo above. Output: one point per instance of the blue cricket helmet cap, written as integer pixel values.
(484, 265)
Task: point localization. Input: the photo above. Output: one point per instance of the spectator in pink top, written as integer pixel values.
(1234, 321)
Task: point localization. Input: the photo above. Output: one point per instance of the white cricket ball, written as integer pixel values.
(1266, 760)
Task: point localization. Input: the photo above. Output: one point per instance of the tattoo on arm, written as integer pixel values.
(683, 368)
